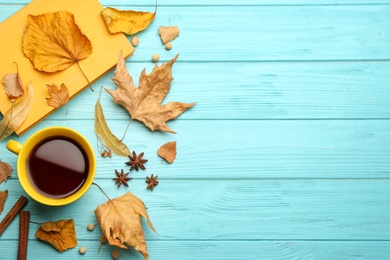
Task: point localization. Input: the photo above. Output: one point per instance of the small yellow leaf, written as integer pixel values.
(129, 22)
(120, 222)
(53, 41)
(168, 33)
(15, 116)
(61, 234)
(168, 151)
(13, 85)
(3, 197)
(104, 133)
(58, 96)
(5, 171)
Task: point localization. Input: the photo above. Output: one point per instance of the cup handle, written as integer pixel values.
(14, 146)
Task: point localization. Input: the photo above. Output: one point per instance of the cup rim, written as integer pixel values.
(42, 134)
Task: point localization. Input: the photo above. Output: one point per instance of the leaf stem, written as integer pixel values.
(85, 76)
(100, 188)
(127, 127)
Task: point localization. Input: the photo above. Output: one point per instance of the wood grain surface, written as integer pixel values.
(286, 154)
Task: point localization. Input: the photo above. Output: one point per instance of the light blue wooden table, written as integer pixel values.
(286, 154)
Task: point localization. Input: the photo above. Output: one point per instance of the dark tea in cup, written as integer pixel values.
(57, 166)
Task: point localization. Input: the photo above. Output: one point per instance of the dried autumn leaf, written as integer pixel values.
(144, 103)
(13, 85)
(3, 197)
(104, 133)
(53, 41)
(168, 33)
(15, 116)
(58, 96)
(120, 222)
(61, 234)
(129, 21)
(168, 151)
(5, 171)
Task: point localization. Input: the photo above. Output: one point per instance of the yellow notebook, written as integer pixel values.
(106, 49)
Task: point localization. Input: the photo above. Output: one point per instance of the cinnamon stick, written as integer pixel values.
(12, 213)
(24, 221)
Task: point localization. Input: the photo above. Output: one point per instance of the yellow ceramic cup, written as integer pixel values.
(23, 152)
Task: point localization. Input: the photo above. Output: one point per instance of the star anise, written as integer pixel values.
(136, 161)
(152, 182)
(122, 178)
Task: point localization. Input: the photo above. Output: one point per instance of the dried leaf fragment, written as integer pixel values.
(168, 151)
(53, 41)
(58, 96)
(13, 85)
(15, 116)
(104, 133)
(3, 197)
(168, 33)
(126, 21)
(144, 103)
(61, 234)
(120, 222)
(5, 171)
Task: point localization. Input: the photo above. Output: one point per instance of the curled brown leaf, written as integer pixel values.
(168, 151)
(5, 171)
(61, 234)
(168, 33)
(13, 84)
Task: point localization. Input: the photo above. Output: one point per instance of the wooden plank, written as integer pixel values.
(223, 250)
(256, 90)
(250, 149)
(215, 209)
(135, 4)
(272, 33)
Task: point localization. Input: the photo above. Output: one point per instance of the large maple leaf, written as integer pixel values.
(144, 103)
(120, 221)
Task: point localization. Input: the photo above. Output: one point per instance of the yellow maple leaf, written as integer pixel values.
(53, 41)
(120, 222)
(144, 103)
(61, 234)
(58, 96)
(126, 21)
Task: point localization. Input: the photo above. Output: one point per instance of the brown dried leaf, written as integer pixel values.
(5, 171)
(15, 116)
(120, 222)
(53, 41)
(13, 85)
(61, 234)
(144, 103)
(104, 133)
(58, 96)
(168, 33)
(129, 22)
(3, 197)
(168, 151)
